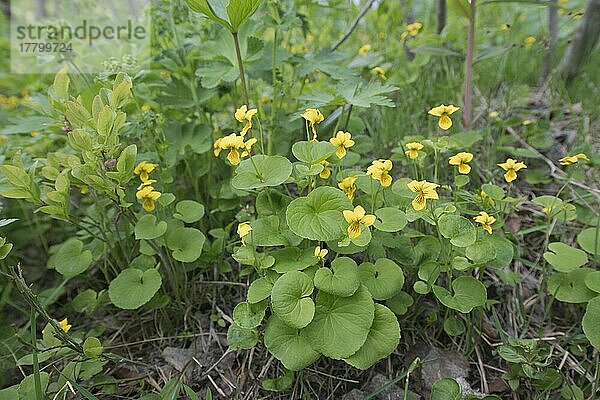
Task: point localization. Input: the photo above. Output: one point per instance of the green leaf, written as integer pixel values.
(289, 345)
(482, 251)
(570, 287)
(458, 229)
(259, 290)
(27, 386)
(213, 9)
(453, 326)
(241, 338)
(279, 384)
(271, 202)
(291, 300)
(504, 251)
(60, 86)
(591, 322)
(261, 171)
(293, 259)
(249, 315)
(189, 211)
(240, 10)
(133, 288)
(592, 281)
(382, 340)
(319, 215)
(468, 293)
(343, 281)
(272, 231)
(71, 260)
(92, 348)
(341, 324)
(400, 303)
(186, 244)
(312, 152)
(146, 228)
(446, 389)
(10, 393)
(589, 240)
(565, 258)
(365, 95)
(384, 279)
(390, 219)
(16, 175)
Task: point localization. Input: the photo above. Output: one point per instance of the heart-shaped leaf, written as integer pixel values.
(272, 231)
(241, 338)
(400, 303)
(186, 244)
(482, 251)
(570, 287)
(291, 300)
(261, 171)
(589, 240)
(133, 288)
(92, 347)
(390, 219)
(591, 322)
(146, 228)
(293, 259)
(565, 258)
(446, 389)
(319, 215)
(249, 315)
(384, 279)
(259, 290)
(341, 324)
(189, 211)
(458, 229)
(592, 281)
(468, 294)
(71, 260)
(312, 152)
(382, 340)
(289, 345)
(343, 281)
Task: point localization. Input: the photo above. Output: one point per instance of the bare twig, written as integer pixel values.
(353, 25)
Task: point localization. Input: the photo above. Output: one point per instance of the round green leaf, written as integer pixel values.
(446, 389)
(70, 260)
(259, 290)
(592, 281)
(133, 288)
(341, 324)
(382, 340)
(400, 303)
(453, 326)
(312, 152)
(186, 244)
(390, 219)
(241, 338)
(291, 300)
(468, 293)
(458, 229)
(565, 258)
(319, 215)
(146, 228)
(384, 279)
(482, 251)
(504, 251)
(261, 171)
(591, 322)
(570, 287)
(249, 315)
(343, 281)
(92, 348)
(589, 240)
(288, 345)
(189, 211)
(293, 259)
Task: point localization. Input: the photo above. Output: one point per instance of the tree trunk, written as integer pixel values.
(441, 16)
(552, 37)
(583, 42)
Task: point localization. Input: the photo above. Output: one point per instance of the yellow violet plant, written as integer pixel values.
(462, 160)
(444, 112)
(412, 150)
(511, 166)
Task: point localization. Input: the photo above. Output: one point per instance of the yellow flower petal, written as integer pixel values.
(445, 122)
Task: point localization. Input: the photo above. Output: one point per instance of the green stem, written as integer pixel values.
(238, 53)
(36, 365)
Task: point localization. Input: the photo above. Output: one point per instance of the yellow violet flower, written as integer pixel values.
(379, 71)
(356, 219)
(146, 108)
(528, 122)
(243, 230)
(314, 116)
(424, 190)
(321, 253)
(149, 182)
(379, 170)
(504, 27)
(511, 167)
(573, 159)
(486, 221)
(413, 150)
(529, 41)
(148, 196)
(364, 49)
(248, 146)
(64, 325)
(232, 143)
(348, 186)
(144, 169)
(411, 30)
(242, 114)
(485, 199)
(342, 141)
(35, 133)
(462, 159)
(443, 112)
(326, 172)
(494, 115)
